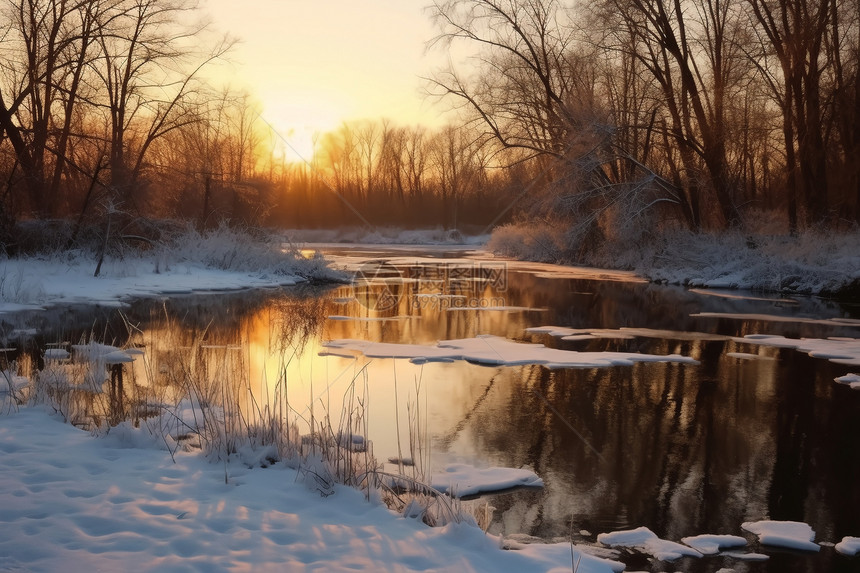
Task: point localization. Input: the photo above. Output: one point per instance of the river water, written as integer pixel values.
(750, 432)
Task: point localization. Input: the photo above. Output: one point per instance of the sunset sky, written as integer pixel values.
(313, 65)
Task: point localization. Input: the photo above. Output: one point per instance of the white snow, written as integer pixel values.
(852, 380)
(496, 351)
(790, 534)
(566, 333)
(711, 544)
(647, 541)
(849, 546)
(838, 350)
(70, 501)
(463, 480)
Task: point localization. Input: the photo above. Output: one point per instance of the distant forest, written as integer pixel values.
(706, 115)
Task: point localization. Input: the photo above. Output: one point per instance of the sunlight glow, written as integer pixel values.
(315, 66)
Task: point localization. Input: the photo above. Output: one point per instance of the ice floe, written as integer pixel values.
(464, 480)
(852, 380)
(711, 544)
(839, 350)
(566, 333)
(495, 351)
(789, 534)
(647, 541)
(849, 546)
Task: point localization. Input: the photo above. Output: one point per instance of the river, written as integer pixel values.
(749, 432)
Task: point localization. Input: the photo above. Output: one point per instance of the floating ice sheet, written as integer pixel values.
(496, 351)
(711, 544)
(838, 350)
(647, 541)
(849, 546)
(789, 534)
(463, 480)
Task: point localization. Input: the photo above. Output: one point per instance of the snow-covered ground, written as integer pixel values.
(812, 263)
(220, 260)
(73, 502)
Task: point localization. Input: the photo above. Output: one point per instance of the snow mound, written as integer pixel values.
(464, 480)
(495, 351)
(647, 541)
(789, 534)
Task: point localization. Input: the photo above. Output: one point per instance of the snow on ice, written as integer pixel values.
(647, 541)
(495, 351)
(838, 350)
(790, 534)
(463, 480)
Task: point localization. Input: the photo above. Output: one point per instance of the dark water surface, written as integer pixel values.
(749, 433)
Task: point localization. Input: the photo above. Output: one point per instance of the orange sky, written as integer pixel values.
(313, 64)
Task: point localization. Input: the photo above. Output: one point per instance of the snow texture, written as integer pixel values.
(72, 502)
(849, 546)
(647, 541)
(852, 380)
(789, 534)
(838, 350)
(711, 544)
(463, 480)
(495, 351)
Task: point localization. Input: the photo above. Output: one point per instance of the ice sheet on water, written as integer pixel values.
(709, 544)
(463, 480)
(566, 333)
(789, 534)
(839, 350)
(852, 380)
(849, 546)
(497, 351)
(647, 541)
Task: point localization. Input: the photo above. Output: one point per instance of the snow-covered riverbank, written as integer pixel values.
(811, 263)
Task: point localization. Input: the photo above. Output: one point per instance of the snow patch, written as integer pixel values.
(463, 480)
(711, 544)
(852, 380)
(496, 351)
(849, 546)
(647, 541)
(789, 534)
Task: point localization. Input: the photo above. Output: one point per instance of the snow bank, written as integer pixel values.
(647, 541)
(220, 260)
(812, 263)
(463, 480)
(73, 502)
(495, 351)
(790, 534)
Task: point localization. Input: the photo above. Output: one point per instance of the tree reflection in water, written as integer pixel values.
(684, 449)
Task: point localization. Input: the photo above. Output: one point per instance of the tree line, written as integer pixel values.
(714, 107)
(701, 113)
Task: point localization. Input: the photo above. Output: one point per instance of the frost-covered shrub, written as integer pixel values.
(542, 241)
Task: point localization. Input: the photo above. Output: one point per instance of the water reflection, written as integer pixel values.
(749, 433)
